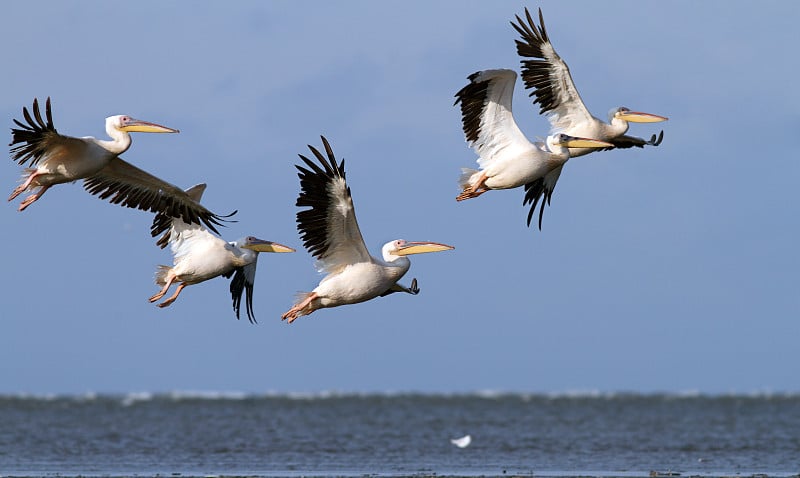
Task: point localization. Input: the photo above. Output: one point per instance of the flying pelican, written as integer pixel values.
(548, 75)
(507, 159)
(330, 233)
(57, 159)
(200, 256)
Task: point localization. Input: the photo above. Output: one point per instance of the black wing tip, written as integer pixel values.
(535, 192)
(163, 220)
(472, 98)
(28, 139)
(536, 64)
(238, 287)
(314, 198)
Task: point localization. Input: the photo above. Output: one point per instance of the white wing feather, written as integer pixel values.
(499, 134)
(345, 242)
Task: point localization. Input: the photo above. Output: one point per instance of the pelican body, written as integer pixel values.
(330, 232)
(55, 159)
(506, 157)
(548, 76)
(200, 256)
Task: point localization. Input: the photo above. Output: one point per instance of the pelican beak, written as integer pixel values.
(421, 247)
(132, 125)
(577, 142)
(639, 117)
(266, 246)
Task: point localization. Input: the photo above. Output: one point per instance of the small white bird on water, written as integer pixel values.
(462, 442)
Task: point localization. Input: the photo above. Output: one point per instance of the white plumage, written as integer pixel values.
(548, 76)
(200, 256)
(55, 159)
(330, 232)
(506, 157)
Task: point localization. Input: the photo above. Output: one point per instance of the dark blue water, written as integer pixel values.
(396, 435)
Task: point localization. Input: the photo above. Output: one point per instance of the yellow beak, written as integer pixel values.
(639, 117)
(267, 246)
(421, 247)
(576, 142)
(139, 126)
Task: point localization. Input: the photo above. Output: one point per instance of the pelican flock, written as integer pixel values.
(507, 159)
(327, 222)
(330, 233)
(200, 256)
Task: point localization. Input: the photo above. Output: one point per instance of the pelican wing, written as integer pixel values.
(541, 189)
(172, 226)
(329, 229)
(186, 238)
(38, 139)
(242, 282)
(486, 116)
(123, 183)
(548, 76)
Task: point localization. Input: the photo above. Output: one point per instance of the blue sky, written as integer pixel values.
(667, 269)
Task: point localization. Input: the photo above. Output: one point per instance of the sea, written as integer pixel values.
(209, 434)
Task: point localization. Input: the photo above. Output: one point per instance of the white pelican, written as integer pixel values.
(57, 159)
(330, 233)
(200, 256)
(548, 75)
(507, 159)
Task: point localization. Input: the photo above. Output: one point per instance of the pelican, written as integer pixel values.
(57, 159)
(200, 256)
(549, 78)
(330, 233)
(507, 159)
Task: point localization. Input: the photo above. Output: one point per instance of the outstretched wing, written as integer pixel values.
(242, 282)
(548, 76)
(329, 229)
(173, 227)
(486, 116)
(123, 183)
(38, 139)
(541, 189)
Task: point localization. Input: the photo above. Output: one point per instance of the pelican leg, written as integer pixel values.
(469, 195)
(174, 296)
(475, 190)
(170, 279)
(22, 187)
(294, 312)
(32, 198)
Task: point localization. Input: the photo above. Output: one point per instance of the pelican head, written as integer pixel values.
(133, 125)
(567, 141)
(260, 245)
(624, 114)
(399, 248)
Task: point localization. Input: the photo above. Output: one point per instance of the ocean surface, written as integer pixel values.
(350, 435)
